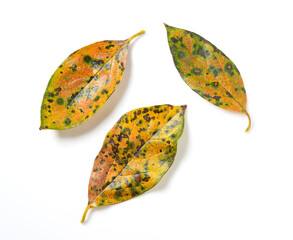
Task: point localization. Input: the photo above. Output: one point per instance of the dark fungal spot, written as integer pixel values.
(57, 89)
(229, 94)
(173, 48)
(236, 89)
(102, 161)
(147, 117)
(50, 100)
(61, 66)
(217, 98)
(215, 73)
(70, 99)
(73, 111)
(115, 149)
(181, 55)
(215, 84)
(87, 116)
(97, 63)
(109, 46)
(197, 71)
(173, 136)
(174, 40)
(137, 178)
(118, 192)
(146, 179)
(104, 91)
(44, 106)
(90, 79)
(228, 66)
(96, 98)
(73, 67)
(87, 59)
(201, 52)
(67, 121)
(61, 72)
(158, 111)
(207, 53)
(60, 101)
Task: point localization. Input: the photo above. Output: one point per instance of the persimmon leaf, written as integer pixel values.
(136, 153)
(83, 83)
(207, 70)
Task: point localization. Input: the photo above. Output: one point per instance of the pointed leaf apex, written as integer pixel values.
(184, 107)
(166, 25)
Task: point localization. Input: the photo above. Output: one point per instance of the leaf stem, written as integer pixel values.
(136, 35)
(249, 124)
(84, 214)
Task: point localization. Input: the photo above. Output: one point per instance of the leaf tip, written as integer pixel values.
(166, 25)
(183, 107)
(41, 128)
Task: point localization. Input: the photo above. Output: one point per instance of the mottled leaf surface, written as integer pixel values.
(83, 83)
(136, 153)
(207, 70)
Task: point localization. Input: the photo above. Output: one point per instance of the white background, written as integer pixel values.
(224, 184)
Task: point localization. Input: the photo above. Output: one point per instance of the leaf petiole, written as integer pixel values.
(136, 35)
(85, 213)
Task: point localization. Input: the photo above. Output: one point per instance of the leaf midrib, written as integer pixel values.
(134, 154)
(110, 59)
(195, 60)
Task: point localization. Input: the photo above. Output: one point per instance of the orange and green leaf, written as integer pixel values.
(207, 70)
(83, 82)
(136, 153)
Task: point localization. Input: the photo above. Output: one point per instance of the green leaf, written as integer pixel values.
(207, 70)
